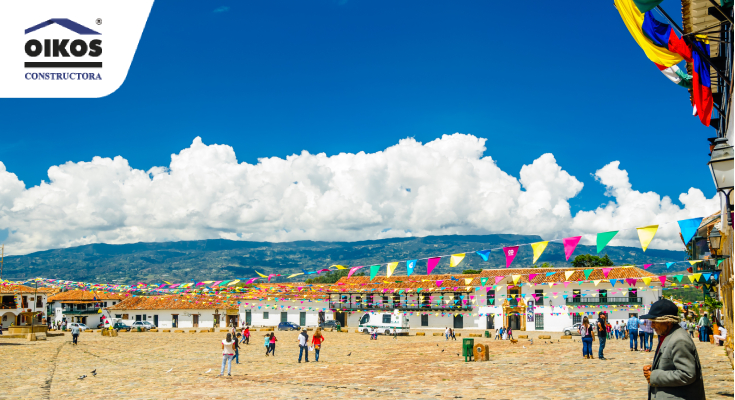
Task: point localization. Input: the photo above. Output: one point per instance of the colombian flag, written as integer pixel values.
(657, 40)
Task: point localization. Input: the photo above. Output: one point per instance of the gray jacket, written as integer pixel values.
(676, 372)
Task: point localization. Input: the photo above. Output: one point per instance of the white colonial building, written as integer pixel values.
(22, 305)
(81, 306)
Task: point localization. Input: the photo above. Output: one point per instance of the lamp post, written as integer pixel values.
(721, 167)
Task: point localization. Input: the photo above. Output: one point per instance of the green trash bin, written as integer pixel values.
(468, 349)
(487, 334)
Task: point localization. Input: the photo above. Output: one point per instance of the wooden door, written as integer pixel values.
(195, 321)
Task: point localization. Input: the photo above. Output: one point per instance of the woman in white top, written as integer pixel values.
(721, 337)
(228, 352)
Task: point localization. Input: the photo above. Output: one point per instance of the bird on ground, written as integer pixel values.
(442, 350)
(458, 354)
(437, 345)
(94, 373)
(349, 354)
(208, 371)
(82, 377)
(172, 368)
(524, 347)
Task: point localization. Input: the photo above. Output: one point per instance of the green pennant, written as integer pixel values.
(679, 277)
(483, 281)
(603, 239)
(587, 273)
(374, 271)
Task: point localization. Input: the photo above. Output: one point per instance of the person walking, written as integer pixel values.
(446, 333)
(237, 348)
(704, 326)
(246, 335)
(585, 330)
(498, 333)
(616, 330)
(272, 344)
(228, 353)
(75, 334)
(452, 332)
(645, 330)
(691, 327)
(510, 333)
(303, 340)
(602, 334)
(633, 331)
(676, 372)
(317, 341)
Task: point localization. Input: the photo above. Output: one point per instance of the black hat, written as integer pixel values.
(662, 308)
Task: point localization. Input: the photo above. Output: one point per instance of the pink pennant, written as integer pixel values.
(353, 269)
(606, 271)
(510, 254)
(531, 276)
(431, 264)
(631, 281)
(439, 283)
(662, 278)
(570, 244)
(487, 289)
(566, 284)
(645, 266)
(498, 279)
(251, 280)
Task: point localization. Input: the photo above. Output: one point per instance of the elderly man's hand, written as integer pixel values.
(647, 373)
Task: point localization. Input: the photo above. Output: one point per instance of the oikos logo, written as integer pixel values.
(78, 56)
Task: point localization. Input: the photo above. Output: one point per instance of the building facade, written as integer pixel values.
(81, 306)
(22, 305)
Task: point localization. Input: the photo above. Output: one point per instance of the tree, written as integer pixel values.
(546, 265)
(472, 271)
(332, 276)
(590, 261)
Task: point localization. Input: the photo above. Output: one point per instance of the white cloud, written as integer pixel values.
(442, 187)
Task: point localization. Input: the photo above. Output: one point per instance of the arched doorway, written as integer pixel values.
(7, 319)
(514, 322)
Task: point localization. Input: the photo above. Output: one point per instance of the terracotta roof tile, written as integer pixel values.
(5, 288)
(85, 295)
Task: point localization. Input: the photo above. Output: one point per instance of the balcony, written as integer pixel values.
(88, 311)
(402, 307)
(604, 300)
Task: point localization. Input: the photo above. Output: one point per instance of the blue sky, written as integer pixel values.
(273, 78)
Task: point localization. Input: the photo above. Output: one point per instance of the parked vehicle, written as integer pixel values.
(81, 326)
(120, 326)
(385, 323)
(288, 326)
(329, 324)
(574, 329)
(143, 325)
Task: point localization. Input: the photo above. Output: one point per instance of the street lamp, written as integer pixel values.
(714, 239)
(721, 166)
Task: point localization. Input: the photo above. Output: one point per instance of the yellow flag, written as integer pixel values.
(391, 267)
(597, 282)
(646, 234)
(339, 267)
(692, 262)
(292, 275)
(467, 281)
(261, 275)
(647, 281)
(694, 277)
(516, 278)
(538, 249)
(456, 259)
(567, 274)
(233, 282)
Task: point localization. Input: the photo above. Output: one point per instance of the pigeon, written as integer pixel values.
(437, 345)
(442, 350)
(208, 371)
(172, 368)
(524, 347)
(94, 373)
(349, 354)
(82, 377)
(457, 354)
(531, 340)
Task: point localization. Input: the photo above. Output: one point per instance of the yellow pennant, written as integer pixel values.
(538, 249)
(391, 267)
(292, 275)
(233, 282)
(339, 267)
(551, 284)
(516, 278)
(597, 282)
(467, 281)
(567, 274)
(647, 281)
(694, 277)
(692, 262)
(456, 259)
(646, 234)
(261, 275)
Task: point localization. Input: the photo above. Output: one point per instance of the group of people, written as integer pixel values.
(504, 333)
(587, 331)
(449, 333)
(231, 346)
(706, 328)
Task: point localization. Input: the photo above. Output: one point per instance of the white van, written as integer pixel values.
(385, 323)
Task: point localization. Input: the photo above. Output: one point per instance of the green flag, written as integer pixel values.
(603, 239)
(374, 271)
(587, 273)
(483, 281)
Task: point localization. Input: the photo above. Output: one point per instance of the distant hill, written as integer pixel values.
(226, 259)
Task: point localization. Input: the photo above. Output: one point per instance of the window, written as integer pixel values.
(396, 300)
(539, 319)
(491, 297)
(125, 316)
(284, 316)
(118, 316)
(265, 314)
(386, 318)
(603, 295)
(424, 320)
(248, 318)
(632, 293)
(576, 319)
(138, 317)
(39, 301)
(365, 319)
(105, 304)
(539, 297)
(576, 294)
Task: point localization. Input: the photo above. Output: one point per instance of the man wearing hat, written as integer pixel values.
(676, 372)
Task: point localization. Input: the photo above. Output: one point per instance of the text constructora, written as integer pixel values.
(63, 76)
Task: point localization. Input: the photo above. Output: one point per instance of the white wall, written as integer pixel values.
(292, 308)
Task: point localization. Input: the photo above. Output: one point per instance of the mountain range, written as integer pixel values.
(219, 259)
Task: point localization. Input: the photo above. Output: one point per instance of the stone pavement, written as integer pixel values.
(137, 365)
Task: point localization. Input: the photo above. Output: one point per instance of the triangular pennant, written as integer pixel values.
(662, 278)
(391, 267)
(613, 282)
(570, 244)
(516, 278)
(484, 254)
(467, 281)
(439, 283)
(597, 282)
(498, 279)
(410, 265)
(538, 249)
(646, 234)
(679, 277)
(603, 239)
(692, 262)
(455, 260)
(567, 274)
(483, 281)
(531, 276)
(510, 254)
(353, 270)
(688, 228)
(646, 280)
(606, 271)
(645, 266)
(374, 271)
(431, 264)
(587, 273)
(668, 264)
(694, 277)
